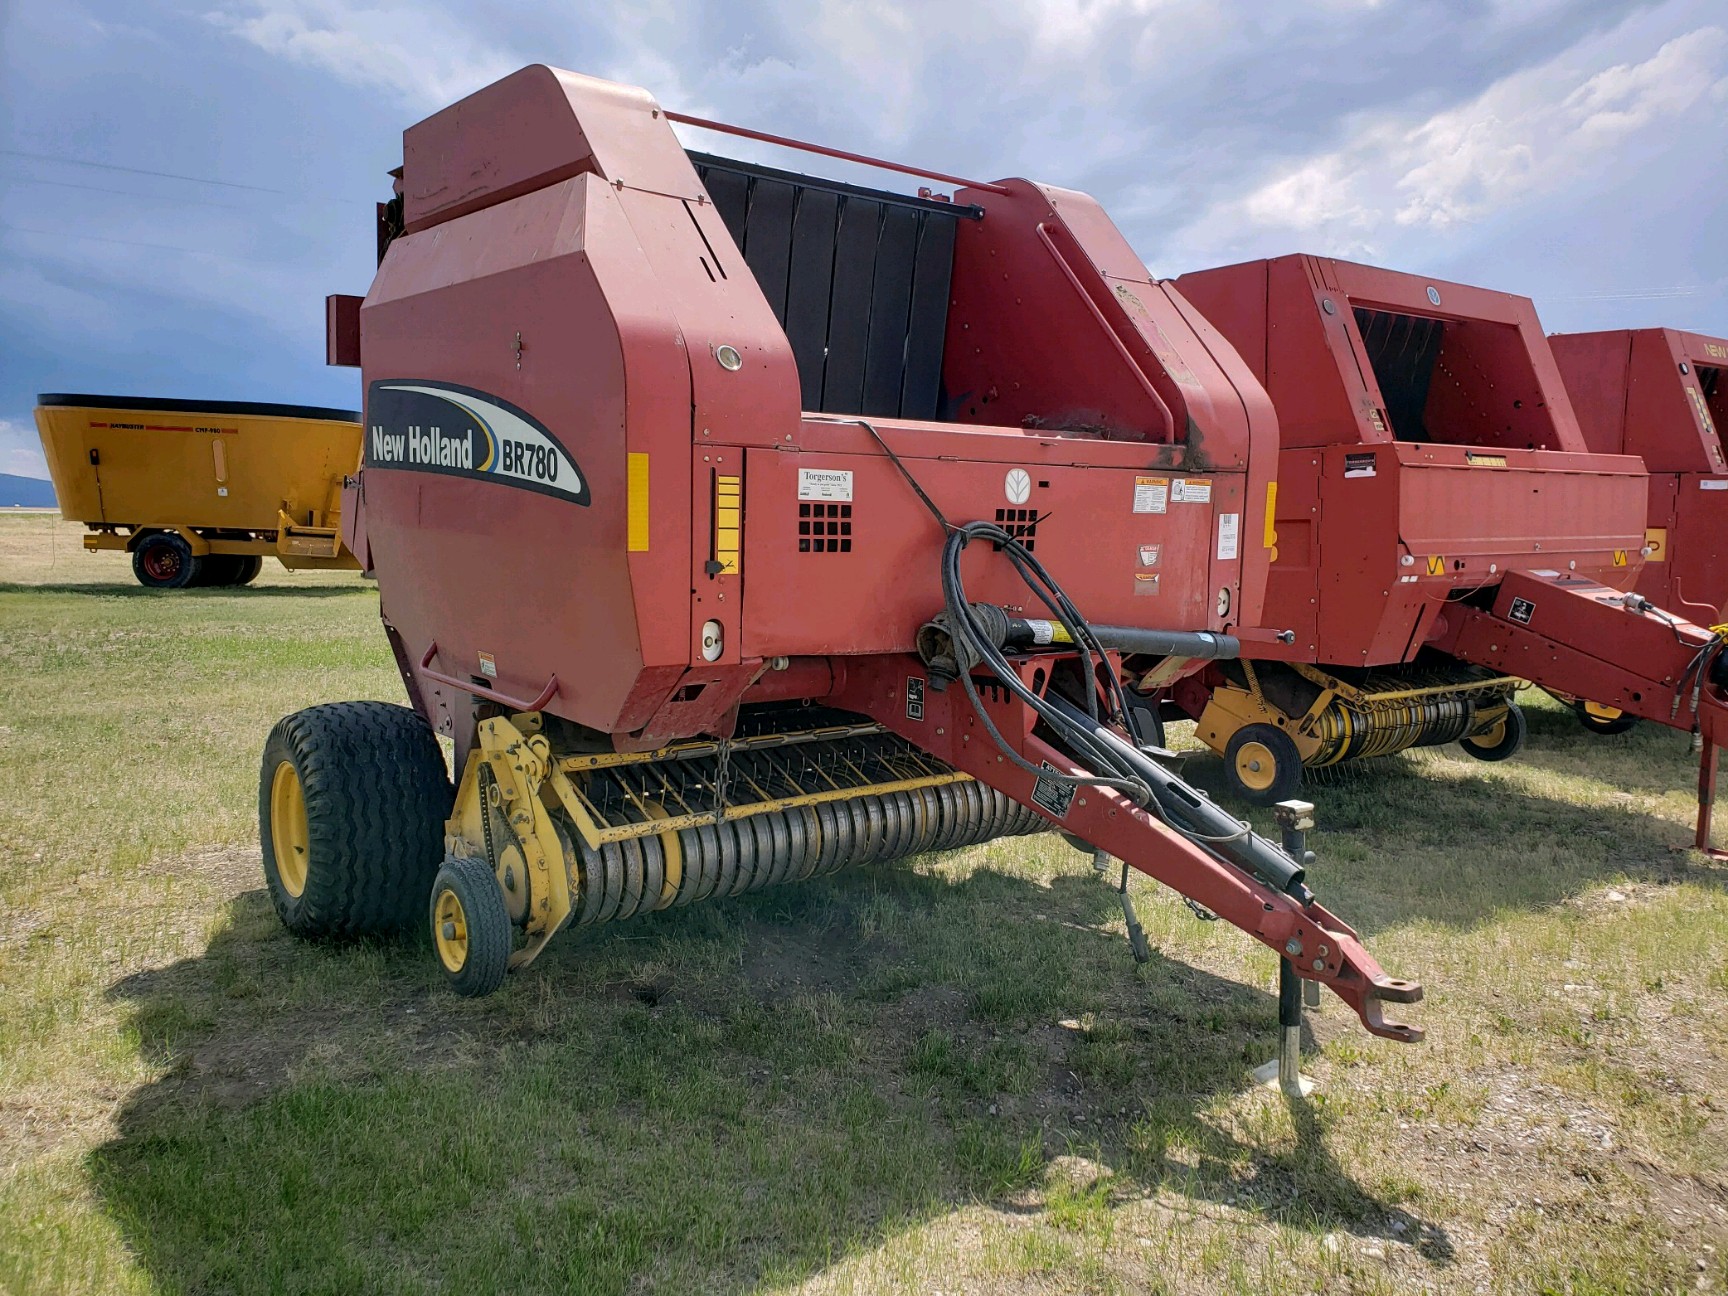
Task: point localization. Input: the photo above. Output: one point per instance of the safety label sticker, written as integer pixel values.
(1191, 490)
(1151, 494)
(1436, 564)
(1619, 557)
(1049, 795)
(1359, 465)
(1145, 582)
(1047, 632)
(1229, 529)
(914, 697)
(1149, 555)
(1521, 611)
(825, 484)
(488, 666)
(1714, 483)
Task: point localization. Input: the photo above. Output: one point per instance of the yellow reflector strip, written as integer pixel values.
(636, 503)
(1270, 541)
(728, 521)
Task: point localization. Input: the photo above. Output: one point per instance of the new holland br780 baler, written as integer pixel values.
(673, 464)
(1442, 531)
(1659, 394)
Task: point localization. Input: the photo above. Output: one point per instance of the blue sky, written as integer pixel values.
(1572, 150)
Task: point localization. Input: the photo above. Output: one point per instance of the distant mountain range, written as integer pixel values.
(25, 492)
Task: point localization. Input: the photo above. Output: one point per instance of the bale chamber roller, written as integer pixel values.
(1441, 532)
(672, 464)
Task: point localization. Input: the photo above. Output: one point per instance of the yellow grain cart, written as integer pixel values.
(201, 492)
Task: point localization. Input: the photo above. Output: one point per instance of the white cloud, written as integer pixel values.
(1533, 132)
(1528, 136)
(418, 52)
(21, 450)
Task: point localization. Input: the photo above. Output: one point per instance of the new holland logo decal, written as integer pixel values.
(441, 428)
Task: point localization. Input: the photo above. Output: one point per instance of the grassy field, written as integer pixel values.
(943, 1076)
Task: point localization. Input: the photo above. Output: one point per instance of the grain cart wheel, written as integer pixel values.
(352, 799)
(249, 565)
(1262, 765)
(471, 931)
(163, 560)
(1599, 719)
(218, 570)
(1500, 742)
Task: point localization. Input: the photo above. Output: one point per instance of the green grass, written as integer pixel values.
(947, 1075)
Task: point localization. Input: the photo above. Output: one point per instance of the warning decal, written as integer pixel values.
(1436, 565)
(1191, 490)
(1151, 494)
(1522, 610)
(1619, 557)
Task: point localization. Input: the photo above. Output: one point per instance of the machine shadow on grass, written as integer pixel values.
(735, 1093)
(1420, 837)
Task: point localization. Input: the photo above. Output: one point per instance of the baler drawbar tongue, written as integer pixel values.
(1279, 908)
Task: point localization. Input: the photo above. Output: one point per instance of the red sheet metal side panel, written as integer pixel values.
(1630, 389)
(487, 567)
(1272, 311)
(1595, 368)
(1121, 566)
(1697, 567)
(523, 133)
(1293, 581)
(1642, 389)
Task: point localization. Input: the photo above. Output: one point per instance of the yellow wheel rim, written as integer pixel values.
(1600, 712)
(288, 836)
(1491, 737)
(1256, 767)
(450, 931)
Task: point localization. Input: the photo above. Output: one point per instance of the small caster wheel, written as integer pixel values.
(471, 931)
(1501, 740)
(1262, 765)
(1599, 719)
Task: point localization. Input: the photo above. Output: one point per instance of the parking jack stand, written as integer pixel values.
(1284, 1072)
(1101, 861)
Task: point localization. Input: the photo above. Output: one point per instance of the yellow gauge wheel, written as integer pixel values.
(471, 928)
(288, 832)
(1263, 764)
(1600, 718)
(1492, 736)
(450, 931)
(1502, 738)
(1256, 768)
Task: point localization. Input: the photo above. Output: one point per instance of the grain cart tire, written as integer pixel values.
(218, 570)
(352, 799)
(471, 931)
(1262, 765)
(163, 560)
(249, 565)
(1503, 741)
(1600, 719)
